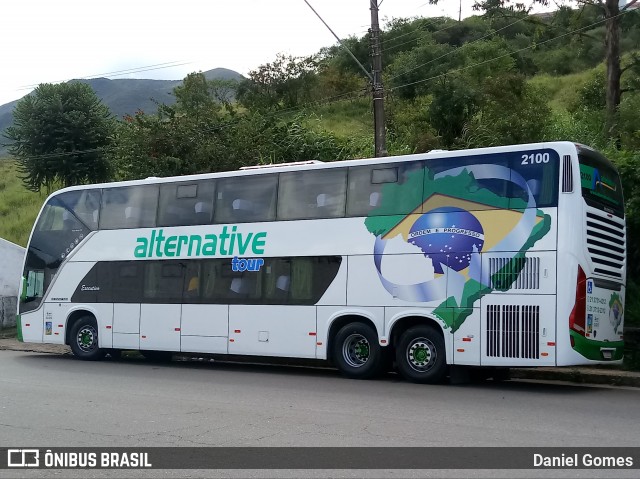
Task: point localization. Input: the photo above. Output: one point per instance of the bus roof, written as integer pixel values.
(315, 164)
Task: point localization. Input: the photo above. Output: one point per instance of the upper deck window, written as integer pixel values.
(312, 194)
(369, 185)
(246, 199)
(186, 203)
(129, 207)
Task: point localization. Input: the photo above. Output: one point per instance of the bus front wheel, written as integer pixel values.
(84, 339)
(356, 351)
(420, 355)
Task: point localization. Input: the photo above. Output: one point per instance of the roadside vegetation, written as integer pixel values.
(18, 206)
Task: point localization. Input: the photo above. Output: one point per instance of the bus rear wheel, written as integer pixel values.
(356, 351)
(420, 355)
(84, 339)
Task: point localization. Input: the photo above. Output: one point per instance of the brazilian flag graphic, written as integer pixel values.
(456, 220)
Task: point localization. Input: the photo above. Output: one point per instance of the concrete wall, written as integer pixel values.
(11, 258)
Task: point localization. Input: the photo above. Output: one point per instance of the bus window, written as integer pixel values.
(56, 234)
(540, 170)
(127, 282)
(302, 280)
(246, 199)
(163, 281)
(192, 282)
(369, 184)
(209, 280)
(183, 204)
(223, 285)
(35, 285)
(246, 288)
(483, 180)
(312, 194)
(129, 207)
(277, 280)
(84, 205)
(600, 182)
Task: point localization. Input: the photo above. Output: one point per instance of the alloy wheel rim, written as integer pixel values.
(87, 338)
(356, 350)
(421, 354)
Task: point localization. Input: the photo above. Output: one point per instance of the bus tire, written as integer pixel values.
(421, 356)
(356, 351)
(84, 339)
(157, 356)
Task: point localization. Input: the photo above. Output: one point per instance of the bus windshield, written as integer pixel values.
(65, 220)
(601, 187)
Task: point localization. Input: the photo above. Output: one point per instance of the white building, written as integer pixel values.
(11, 258)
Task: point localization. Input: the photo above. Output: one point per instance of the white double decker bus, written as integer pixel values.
(496, 257)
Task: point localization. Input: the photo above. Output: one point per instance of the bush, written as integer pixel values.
(408, 124)
(632, 305)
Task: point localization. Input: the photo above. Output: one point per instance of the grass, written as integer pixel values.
(8, 333)
(18, 206)
(562, 91)
(346, 119)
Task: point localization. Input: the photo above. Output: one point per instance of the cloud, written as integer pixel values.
(56, 41)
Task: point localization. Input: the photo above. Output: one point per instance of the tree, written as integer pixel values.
(200, 134)
(510, 111)
(197, 95)
(454, 103)
(59, 135)
(614, 70)
(611, 11)
(193, 95)
(285, 83)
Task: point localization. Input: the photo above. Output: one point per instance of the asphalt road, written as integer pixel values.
(55, 401)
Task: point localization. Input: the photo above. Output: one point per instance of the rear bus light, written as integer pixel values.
(578, 314)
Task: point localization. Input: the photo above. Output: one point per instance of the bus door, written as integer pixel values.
(126, 326)
(31, 318)
(126, 280)
(204, 326)
(287, 331)
(160, 327)
(161, 305)
(272, 308)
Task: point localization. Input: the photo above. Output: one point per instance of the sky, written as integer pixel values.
(49, 41)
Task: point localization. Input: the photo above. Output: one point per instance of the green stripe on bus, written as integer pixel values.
(19, 328)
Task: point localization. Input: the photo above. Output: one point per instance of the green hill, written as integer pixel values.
(126, 96)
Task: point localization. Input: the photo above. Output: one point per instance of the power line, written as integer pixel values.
(367, 74)
(413, 40)
(416, 30)
(158, 66)
(454, 50)
(348, 96)
(505, 55)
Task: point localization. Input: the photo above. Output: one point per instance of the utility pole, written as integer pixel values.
(378, 89)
